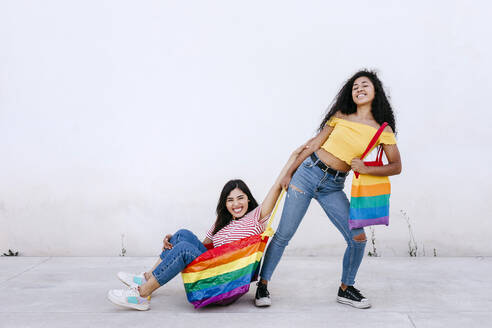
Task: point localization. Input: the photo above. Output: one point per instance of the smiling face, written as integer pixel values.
(363, 91)
(237, 203)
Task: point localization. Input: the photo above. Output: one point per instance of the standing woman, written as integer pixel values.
(357, 112)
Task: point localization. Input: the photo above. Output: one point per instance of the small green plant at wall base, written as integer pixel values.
(123, 249)
(374, 252)
(11, 253)
(412, 244)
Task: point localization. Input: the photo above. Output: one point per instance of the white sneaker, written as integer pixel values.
(129, 298)
(132, 279)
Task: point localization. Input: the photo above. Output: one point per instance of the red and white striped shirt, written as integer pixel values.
(246, 226)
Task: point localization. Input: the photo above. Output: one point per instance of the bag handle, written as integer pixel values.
(272, 216)
(379, 158)
(372, 143)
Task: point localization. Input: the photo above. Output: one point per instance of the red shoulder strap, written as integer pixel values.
(374, 140)
(371, 144)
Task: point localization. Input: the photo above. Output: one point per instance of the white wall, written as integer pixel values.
(127, 117)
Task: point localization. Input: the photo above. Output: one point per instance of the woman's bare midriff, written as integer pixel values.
(332, 161)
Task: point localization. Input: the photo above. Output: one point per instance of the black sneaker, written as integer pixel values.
(262, 297)
(352, 296)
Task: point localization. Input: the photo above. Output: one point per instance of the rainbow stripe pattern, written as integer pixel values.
(223, 274)
(369, 203)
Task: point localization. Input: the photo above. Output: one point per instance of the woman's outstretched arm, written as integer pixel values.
(271, 198)
(312, 145)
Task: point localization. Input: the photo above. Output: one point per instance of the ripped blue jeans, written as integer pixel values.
(328, 191)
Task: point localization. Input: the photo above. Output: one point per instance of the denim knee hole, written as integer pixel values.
(362, 237)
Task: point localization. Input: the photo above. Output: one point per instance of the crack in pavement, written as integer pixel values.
(411, 321)
(26, 270)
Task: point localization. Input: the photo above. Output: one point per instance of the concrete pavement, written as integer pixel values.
(405, 292)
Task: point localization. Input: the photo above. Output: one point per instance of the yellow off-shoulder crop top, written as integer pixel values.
(349, 140)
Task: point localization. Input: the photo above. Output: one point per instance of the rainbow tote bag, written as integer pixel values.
(369, 201)
(223, 274)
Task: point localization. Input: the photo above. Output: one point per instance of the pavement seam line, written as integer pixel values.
(411, 321)
(26, 270)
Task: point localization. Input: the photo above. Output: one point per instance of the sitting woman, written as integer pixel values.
(238, 216)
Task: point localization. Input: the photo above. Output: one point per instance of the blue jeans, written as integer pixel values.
(328, 191)
(186, 248)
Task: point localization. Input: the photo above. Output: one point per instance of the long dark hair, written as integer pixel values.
(380, 107)
(224, 217)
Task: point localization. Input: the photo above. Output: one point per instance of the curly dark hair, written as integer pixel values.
(224, 217)
(380, 107)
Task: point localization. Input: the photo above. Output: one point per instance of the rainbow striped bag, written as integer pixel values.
(369, 203)
(223, 274)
